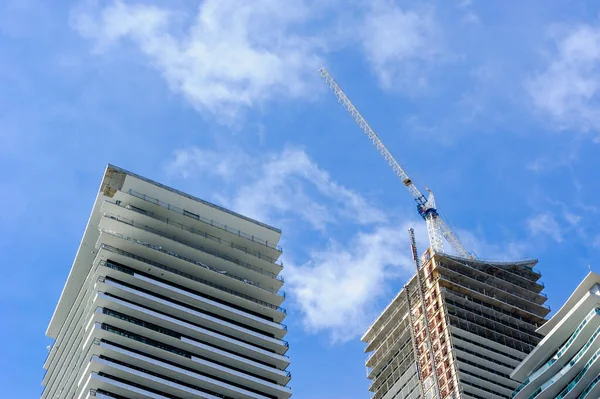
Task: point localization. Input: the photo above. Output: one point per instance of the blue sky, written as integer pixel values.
(493, 105)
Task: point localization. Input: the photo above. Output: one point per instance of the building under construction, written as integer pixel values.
(461, 325)
(457, 329)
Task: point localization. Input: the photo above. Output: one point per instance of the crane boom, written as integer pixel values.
(436, 227)
(368, 130)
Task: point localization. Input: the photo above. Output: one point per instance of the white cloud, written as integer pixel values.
(224, 165)
(338, 288)
(400, 44)
(469, 16)
(545, 224)
(501, 251)
(563, 156)
(567, 89)
(571, 218)
(236, 54)
(279, 185)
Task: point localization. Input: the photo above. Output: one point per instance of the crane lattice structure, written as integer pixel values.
(437, 229)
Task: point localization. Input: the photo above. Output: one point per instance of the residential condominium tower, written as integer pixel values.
(169, 296)
(456, 330)
(566, 363)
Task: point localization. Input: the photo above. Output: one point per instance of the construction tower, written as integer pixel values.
(456, 330)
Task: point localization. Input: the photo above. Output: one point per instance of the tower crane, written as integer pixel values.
(437, 229)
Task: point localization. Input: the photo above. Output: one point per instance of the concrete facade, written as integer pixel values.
(480, 321)
(566, 363)
(169, 296)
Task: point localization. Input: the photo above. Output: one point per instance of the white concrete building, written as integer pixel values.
(169, 296)
(566, 363)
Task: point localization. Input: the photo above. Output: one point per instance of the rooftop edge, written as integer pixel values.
(527, 263)
(193, 198)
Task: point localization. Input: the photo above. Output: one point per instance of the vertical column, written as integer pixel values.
(441, 343)
(425, 350)
(413, 338)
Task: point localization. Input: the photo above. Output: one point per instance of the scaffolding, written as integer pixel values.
(462, 324)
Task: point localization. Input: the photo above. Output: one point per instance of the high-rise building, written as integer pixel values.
(169, 296)
(566, 363)
(479, 322)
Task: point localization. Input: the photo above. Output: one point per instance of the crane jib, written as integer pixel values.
(436, 227)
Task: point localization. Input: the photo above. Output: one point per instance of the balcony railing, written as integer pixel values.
(205, 220)
(388, 320)
(114, 266)
(561, 351)
(176, 351)
(500, 265)
(582, 372)
(590, 387)
(195, 262)
(490, 293)
(192, 230)
(170, 333)
(500, 287)
(194, 278)
(73, 368)
(195, 246)
(493, 319)
(505, 281)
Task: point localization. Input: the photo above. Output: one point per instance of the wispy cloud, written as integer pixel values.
(400, 43)
(507, 250)
(225, 165)
(278, 185)
(235, 54)
(469, 16)
(545, 224)
(338, 284)
(338, 288)
(567, 88)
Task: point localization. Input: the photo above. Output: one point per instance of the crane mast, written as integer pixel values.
(437, 229)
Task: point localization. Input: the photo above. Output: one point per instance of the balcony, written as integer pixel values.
(561, 356)
(198, 348)
(511, 330)
(491, 293)
(204, 220)
(379, 335)
(401, 328)
(186, 246)
(191, 266)
(537, 298)
(172, 225)
(490, 309)
(172, 378)
(523, 280)
(241, 347)
(401, 344)
(143, 352)
(189, 313)
(183, 277)
(124, 275)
